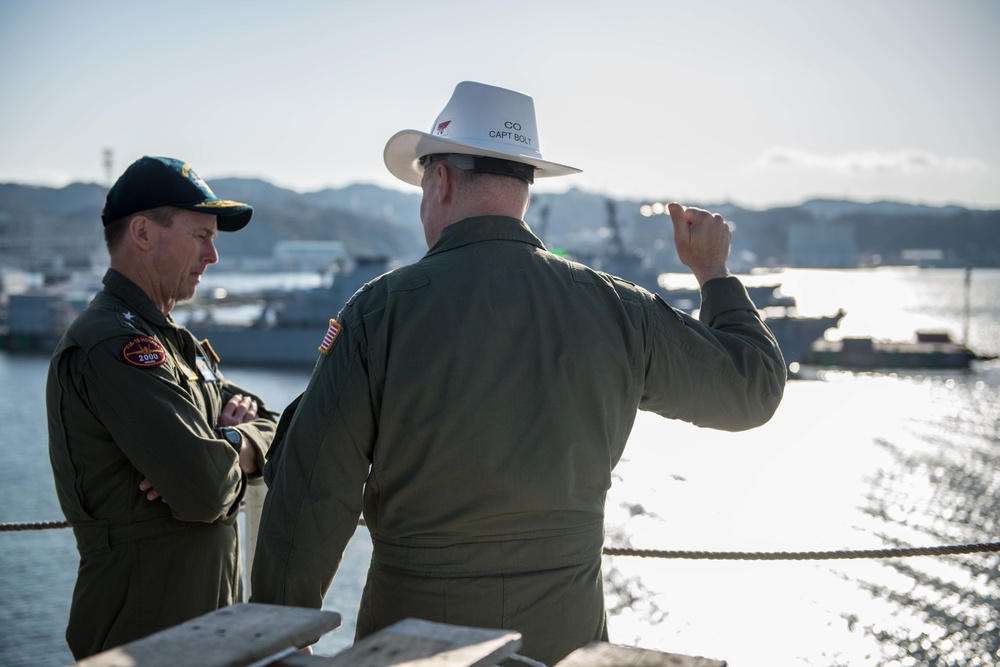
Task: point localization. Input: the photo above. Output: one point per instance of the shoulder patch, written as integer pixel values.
(331, 335)
(144, 352)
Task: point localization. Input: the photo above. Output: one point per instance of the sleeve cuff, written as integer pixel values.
(721, 295)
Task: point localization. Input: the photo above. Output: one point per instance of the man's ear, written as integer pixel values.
(445, 184)
(139, 231)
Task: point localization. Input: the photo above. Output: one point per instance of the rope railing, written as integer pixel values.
(32, 525)
(897, 552)
(844, 554)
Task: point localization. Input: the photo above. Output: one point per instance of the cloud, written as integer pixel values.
(884, 162)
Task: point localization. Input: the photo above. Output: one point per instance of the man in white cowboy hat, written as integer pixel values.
(473, 405)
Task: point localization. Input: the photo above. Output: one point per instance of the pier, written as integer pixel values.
(261, 635)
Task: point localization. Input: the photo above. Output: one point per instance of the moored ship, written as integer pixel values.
(932, 350)
(289, 328)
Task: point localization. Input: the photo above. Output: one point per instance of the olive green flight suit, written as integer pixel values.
(473, 406)
(131, 395)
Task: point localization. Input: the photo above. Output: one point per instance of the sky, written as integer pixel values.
(757, 103)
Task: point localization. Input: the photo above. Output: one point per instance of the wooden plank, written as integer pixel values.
(253, 505)
(298, 660)
(600, 654)
(233, 636)
(419, 643)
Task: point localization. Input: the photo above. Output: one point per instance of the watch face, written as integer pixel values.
(233, 436)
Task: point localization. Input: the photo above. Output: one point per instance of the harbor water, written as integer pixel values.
(849, 462)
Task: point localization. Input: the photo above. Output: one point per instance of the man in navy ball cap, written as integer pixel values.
(152, 182)
(151, 447)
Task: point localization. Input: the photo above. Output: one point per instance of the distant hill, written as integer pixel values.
(59, 228)
(74, 199)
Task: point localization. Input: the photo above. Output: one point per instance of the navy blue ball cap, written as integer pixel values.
(151, 182)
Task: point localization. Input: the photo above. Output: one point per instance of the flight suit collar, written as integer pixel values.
(484, 228)
(117, 284)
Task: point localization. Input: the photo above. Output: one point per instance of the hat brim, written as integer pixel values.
(232, 216)
(405, 148)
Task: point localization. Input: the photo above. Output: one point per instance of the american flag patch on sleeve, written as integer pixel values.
(330, 337)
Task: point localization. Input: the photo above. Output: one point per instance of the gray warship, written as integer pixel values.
(795, 333)
(291, 325)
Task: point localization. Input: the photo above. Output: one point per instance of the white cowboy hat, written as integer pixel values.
(479, 120)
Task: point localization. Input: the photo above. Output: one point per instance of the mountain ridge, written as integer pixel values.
(64, 223)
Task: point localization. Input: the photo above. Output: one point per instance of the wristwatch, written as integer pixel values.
(232, 436)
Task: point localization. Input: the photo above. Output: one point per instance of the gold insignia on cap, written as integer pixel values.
(222, 203)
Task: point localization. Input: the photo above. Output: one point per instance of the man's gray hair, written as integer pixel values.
(114, 231)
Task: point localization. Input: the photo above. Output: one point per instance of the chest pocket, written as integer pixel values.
(183, 365)
(199, 375)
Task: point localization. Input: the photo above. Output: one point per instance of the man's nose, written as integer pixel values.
(211, 253)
